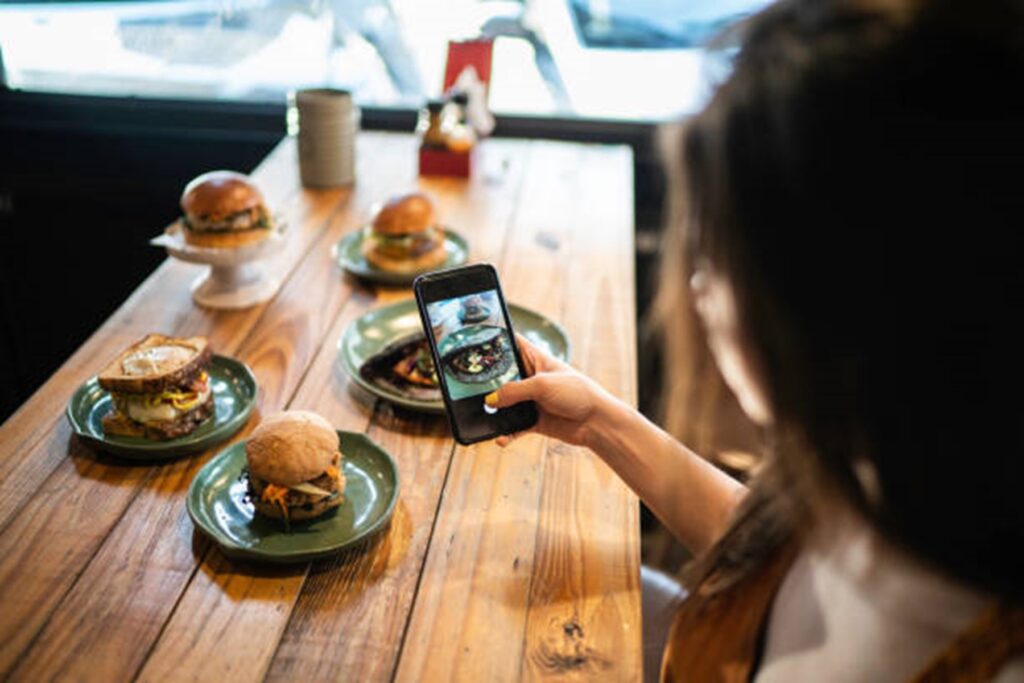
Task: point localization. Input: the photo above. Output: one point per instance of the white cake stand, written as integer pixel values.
(236, 277)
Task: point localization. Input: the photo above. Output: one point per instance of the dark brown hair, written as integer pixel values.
(859, 180)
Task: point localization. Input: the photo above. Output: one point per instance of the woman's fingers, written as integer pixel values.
(515, 392)
(536, 359)
(529, 353)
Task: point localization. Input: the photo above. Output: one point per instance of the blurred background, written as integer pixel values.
(108, 108)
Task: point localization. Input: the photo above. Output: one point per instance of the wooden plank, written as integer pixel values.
(148, 543)
(349, 618)
(346, 602)
(68, 553)
(584, 614)
(205, 604)
(32, 597)
(470, 613)
(351, 614)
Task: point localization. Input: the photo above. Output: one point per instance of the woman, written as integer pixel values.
(854, 205)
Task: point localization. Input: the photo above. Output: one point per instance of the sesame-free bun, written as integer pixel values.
(218, 194)
(292, 447)
(405, 214)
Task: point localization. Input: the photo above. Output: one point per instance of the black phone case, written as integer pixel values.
(425, 280)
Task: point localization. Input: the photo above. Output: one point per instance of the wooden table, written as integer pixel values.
(497, 565)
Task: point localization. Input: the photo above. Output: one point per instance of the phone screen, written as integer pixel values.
(473, 344)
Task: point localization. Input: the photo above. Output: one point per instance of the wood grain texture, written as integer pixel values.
(350, 617)
(144, 605)
(495, 601)
(290, 347)
(68, 553)
(491, 552)
(583, 623)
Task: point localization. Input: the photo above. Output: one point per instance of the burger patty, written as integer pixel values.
(250, 219)
(408, 245)
(116, 422)
(296, 499)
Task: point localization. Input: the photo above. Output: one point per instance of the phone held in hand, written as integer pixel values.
(474, 348)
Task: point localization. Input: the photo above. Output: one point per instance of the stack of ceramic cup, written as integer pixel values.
(326, 121)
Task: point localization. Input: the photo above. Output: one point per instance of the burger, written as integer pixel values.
(473, 310)
(404, 236)
(416, 366)
(404, 366)
(294, 466)
(159, 388)
(224, 209)
(484, 356)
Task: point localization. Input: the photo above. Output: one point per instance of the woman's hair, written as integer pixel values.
(859, 182)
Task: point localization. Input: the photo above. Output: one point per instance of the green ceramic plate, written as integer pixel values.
(349, 255)
(367, 335)
(234, 395)
(217, 505)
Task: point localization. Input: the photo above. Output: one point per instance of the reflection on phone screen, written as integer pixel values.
(473, 343)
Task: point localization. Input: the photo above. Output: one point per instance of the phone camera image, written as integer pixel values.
(474, 344)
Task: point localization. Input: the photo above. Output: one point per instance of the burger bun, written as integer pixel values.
(405, 214)
(292, 447)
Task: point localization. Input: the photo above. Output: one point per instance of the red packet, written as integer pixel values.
(465, 53)
(462, 54)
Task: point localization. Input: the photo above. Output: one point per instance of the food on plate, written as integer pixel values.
(404, 236)
(159, 387)
(473, 310)
(483, 355)
(224, 209)
(417, 367)
(294, 466)
(405, 367)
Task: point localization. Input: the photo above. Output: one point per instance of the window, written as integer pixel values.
(619, 59)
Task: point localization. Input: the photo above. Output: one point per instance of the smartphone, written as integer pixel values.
(474, 348)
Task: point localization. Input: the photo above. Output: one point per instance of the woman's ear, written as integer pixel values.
(716, 305)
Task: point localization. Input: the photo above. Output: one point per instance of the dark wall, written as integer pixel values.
(85, 182)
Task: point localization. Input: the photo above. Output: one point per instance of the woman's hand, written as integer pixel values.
(566, 399)
(694, 499)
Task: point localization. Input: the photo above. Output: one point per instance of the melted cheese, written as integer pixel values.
(169, 405)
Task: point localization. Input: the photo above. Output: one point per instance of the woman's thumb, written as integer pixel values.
(513, 392)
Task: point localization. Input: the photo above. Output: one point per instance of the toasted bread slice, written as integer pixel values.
(154, 363)
(119, 424)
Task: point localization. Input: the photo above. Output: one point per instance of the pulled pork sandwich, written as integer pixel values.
(294, 462)
(224, 209)
(159, 387)
(404, 236)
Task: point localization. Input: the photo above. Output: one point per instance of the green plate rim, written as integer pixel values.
(234, 551)
(429, 407)
(173, 448)
(367, 272)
